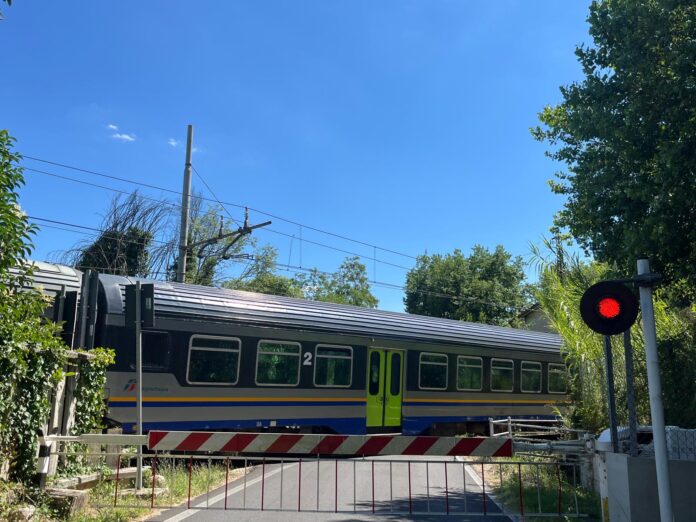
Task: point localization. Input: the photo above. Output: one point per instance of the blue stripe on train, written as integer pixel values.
(346, 426)
(416, 425)
(468, 404)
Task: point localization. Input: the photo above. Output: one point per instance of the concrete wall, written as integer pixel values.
(632, 489)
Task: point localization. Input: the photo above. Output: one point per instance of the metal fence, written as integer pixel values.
(379, 485)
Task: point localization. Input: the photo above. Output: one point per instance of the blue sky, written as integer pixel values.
(402, 124)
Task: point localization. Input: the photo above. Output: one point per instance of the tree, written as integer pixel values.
(626, 134)
(31, 356)
(205, 263)
(486, 287)
(125, 245)
(140, 237)
(260, 277)
(559, 295)
(348, 285)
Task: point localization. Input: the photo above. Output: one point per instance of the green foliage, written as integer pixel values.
(260, 277)
(540, 488)
(626, 134)
(91, 381)
(15, 230)
(204, 263)
(348, 285)
(32, 355)
(126, 245)
(273, 284)
(116, 252)
(559, 294)
(486, 287)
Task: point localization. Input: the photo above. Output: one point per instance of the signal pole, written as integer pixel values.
(655, 391)
(185, 202)
(612, 399)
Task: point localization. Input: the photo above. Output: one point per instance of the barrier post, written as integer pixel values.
(43, 461)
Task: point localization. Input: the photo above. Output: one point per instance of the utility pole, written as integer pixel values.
(185, 202)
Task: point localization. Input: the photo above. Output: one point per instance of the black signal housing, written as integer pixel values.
(609, 307)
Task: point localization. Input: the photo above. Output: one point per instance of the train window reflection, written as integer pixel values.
(502, 378)
(557, 378)
(278, 363)
(530, 381)
(333, 366)
(213, 360)
(469, 373)
(432, 371)
(374, 373)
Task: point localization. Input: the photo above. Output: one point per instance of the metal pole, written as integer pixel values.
(655, 391)
(630, 395)
(610, 394)
(185, 201)
(138, 384)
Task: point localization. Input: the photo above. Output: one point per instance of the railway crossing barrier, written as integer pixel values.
(379, 474)
(343, 445)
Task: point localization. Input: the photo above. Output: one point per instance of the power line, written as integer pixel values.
(274, 216)
(212, 193)
(176, 205)
(295, 269)
(103, 233)
(96, 185)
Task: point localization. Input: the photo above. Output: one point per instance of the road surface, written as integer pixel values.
(344, 491)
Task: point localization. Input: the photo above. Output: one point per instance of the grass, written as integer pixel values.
(205, 476)
(540, 492)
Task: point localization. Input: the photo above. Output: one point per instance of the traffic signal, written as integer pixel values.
(609, 308)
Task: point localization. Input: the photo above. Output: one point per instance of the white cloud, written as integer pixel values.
(112, 127)
(173, 142)
(123, 136)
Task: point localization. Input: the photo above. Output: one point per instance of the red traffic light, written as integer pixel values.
(609, 308)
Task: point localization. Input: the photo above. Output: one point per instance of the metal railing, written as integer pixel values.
(379, 485)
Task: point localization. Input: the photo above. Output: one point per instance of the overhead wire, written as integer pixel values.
(274, 216)
(177, 205)
(292, 268)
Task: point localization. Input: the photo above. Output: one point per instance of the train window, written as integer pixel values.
(557, 378)
(395, 381)
(213, 360)
(333, 365)
(530, 381)
(374, 373)
(278, 363)
(432, 371)
(469, 373)
(502, 378)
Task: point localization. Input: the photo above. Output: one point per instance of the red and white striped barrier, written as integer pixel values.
(349, 445)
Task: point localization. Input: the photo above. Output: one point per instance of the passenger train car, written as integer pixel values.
(221, 359)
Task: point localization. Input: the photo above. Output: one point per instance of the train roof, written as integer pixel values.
(178, 300)
(52, 278)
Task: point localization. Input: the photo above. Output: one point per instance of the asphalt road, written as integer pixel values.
(343, 491)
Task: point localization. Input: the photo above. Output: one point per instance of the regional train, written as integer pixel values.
(219, 359)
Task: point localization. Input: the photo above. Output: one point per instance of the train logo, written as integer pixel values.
(130, 385)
